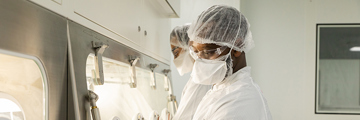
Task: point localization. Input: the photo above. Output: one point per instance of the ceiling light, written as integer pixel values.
(355, 49)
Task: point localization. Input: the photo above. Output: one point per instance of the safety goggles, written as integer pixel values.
(207, 54)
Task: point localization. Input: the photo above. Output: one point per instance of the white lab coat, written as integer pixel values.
(235, 98)
(190, 99)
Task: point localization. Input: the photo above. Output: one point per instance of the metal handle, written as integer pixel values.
(166, 80)
(166, 71)
(152, 75)
(132, 69)
(145, 33)
(139, 28)
(100, 48)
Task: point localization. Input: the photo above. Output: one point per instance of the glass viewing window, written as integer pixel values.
(338, 69)
(22, 88)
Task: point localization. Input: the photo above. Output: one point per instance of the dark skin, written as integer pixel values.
(239, 60)
(174, 49)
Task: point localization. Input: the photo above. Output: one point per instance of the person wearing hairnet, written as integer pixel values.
(192, 92)
(179, 42)
(219, 40)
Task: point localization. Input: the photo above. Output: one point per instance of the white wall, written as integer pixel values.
(190, 9)
(283, 61)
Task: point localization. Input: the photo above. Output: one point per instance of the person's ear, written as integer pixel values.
(236, 53)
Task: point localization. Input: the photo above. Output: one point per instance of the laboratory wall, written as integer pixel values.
(190, 9)
(283, 60)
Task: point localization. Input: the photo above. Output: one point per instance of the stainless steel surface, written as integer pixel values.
(99, 71)
(29, 29)
(74, 112)
(81, 38)
(32, 30)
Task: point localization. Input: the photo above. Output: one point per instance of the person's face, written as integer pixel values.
(176, 51)
(201, 49)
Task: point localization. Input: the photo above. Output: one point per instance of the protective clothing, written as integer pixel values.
(235, 98)
(190, 99)
(180, 39)
(192, 92)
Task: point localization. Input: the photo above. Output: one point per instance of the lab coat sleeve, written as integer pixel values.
(190, 99)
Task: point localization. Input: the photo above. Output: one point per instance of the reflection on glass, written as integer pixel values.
(338, 71)
(116, 99)
(9, 110)
(22, 94)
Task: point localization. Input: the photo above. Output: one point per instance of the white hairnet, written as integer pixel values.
(179, 36)
(222, 25)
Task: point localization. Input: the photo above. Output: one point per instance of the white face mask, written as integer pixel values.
(209, 72)
(184, 63)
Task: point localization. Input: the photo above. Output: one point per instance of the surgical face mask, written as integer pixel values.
(209, 72)
(184, 62)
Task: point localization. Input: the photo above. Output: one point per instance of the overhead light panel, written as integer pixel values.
(355, 49)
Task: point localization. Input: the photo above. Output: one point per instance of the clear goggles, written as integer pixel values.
(207, 54)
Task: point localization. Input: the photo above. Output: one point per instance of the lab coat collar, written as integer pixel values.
(240, 75)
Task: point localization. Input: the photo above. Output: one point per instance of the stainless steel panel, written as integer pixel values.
(29, 29)
(81, 45)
